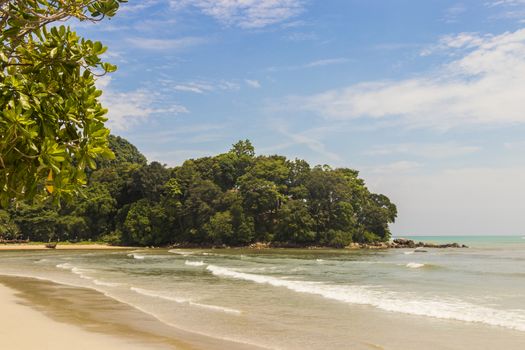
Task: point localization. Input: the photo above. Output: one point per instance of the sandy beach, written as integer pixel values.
(23, 328)
(62, 247)
(57, 316)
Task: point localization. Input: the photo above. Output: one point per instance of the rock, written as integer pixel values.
(259, 245)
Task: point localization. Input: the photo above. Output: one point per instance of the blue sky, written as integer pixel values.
(425, 98)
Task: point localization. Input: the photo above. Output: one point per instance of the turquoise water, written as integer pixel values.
(308, 299)
(474, 241)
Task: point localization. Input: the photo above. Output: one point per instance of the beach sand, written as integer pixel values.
(41, 315)
(61, 247)
(23, 328)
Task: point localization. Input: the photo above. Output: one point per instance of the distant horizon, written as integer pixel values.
(462, 235)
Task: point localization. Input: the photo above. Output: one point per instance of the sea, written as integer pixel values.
(313, 298)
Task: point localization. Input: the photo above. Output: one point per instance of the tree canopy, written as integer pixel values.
(235, 198)
(51, 121)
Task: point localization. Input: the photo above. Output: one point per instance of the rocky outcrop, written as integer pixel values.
(408, 243)
(259, 245)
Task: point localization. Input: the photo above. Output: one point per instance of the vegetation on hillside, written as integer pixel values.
(233, 199)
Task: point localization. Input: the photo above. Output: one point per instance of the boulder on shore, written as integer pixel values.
(408, 243)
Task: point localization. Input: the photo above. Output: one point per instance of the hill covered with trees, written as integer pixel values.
(235, 199)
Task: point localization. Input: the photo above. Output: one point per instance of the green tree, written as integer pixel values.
(51, 122)
(295, 223)
(219, 229)
(146, 224)
(8, 228)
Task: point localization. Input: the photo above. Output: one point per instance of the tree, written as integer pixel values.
(8, 229)
(145, 224)
(51, 121)
(295, 224)
(220, 229)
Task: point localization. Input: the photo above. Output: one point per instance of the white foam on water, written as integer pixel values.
(319, 260)
(168, 297)
(136, 256)
(451, 309)
(65, 266)
(194, 263)
(181, 252)
(160, 295)
(414, 265)
(409, 253)
(216, 308)
(106, 284)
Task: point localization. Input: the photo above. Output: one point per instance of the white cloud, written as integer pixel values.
(505, 2)
(135, 6)
(312, 64)
(484, 86)
(312, 139)
(165, 44)
(430, 150)
(198, 88)
(128, 109)
(459, 41)
(453, 12)
(253, 83)
(245, 13)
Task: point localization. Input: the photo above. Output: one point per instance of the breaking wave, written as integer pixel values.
(165, 296)
(452, 309)
(414, 265)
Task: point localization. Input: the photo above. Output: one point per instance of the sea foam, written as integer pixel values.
(180, 252)
(194, 263)
(165, 296)
(414, 265)
(452, 309)
(136, 256)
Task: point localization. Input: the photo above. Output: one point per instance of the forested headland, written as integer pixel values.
(234, 199)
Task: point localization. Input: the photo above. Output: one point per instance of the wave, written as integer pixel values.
(451, 309)
(65, 266)
(414, 265)
(165, 296)
(216, 308)
(106, 284)
(319, 260)
(82, 273)
(194, 263)
(409, 253)
(160, 295)
(180, 252)
(136, 256)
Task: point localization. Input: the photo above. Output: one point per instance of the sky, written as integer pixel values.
(425, 98)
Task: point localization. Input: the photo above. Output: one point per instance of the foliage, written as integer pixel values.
(234, 199)
(51, 121)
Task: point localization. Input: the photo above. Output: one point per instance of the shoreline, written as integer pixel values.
(24, 328)
(95, 246)
(91, 318)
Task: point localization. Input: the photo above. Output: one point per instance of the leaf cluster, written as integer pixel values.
(51, 120)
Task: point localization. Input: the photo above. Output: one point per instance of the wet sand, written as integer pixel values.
(44, 315)
(61, 247)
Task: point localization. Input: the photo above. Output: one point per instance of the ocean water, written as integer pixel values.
(308, 299)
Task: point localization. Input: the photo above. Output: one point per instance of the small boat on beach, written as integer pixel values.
(51, 245)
